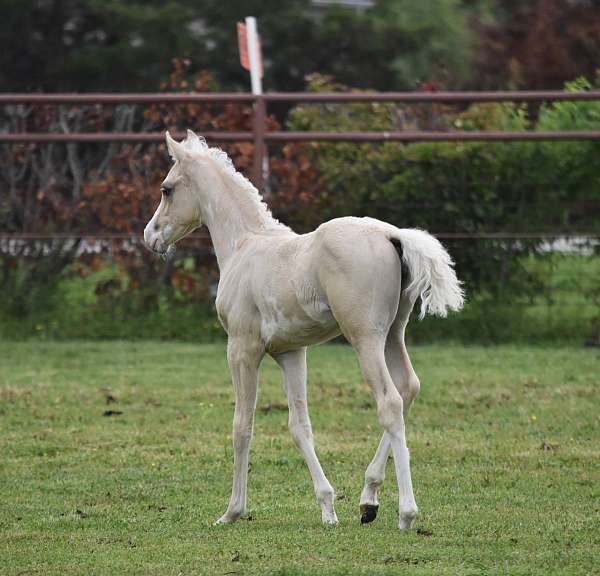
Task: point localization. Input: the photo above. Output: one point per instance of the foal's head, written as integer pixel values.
(179, 210)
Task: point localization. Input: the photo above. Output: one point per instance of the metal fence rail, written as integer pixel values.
(184, 97)
(288, 136)
(260, 136)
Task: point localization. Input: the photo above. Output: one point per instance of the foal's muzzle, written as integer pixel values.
(155, 240)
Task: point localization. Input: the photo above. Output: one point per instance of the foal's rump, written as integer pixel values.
(362, 266)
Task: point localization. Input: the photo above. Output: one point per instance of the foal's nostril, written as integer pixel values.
(156, 226)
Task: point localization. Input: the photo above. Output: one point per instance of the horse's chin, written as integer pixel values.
(169, 252)
(165, 251)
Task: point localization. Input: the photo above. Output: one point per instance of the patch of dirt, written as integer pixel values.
(274, 407)
(424, 532)
(112, 413)
(402, 560)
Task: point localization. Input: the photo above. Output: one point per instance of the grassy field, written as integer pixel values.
(115, 458)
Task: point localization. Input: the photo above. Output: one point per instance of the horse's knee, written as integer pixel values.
(390, 412)
(325, 494)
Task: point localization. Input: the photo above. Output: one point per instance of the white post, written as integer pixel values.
(253, 55)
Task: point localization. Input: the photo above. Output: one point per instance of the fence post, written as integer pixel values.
(259, 141)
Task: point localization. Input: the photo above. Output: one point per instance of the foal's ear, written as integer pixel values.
(192, 137)
(176, 150)
(194, 143)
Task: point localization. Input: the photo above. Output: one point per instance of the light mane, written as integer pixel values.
(226, 168)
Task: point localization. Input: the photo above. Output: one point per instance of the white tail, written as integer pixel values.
(432, 275)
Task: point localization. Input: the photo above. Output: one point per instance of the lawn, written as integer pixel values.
(115, 458)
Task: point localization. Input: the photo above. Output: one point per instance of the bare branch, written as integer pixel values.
(72, 152)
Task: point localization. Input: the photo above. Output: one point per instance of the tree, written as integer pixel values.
(536, 44)
(84, 45)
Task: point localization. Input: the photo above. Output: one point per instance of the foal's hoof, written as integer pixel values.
(368, 513)
(228, 518)
(407, 519)
(330, 521)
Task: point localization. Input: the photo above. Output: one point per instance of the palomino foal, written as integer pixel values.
(280, 292)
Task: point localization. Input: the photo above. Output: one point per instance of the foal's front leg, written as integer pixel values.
(244, 359)
(293, 365)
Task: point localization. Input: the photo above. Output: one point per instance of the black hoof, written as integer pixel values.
(368, 513)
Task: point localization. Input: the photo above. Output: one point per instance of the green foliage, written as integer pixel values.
(429, 40)
(571, 168)
(564, 307)
(114, 45)
(100, 303)
(85, 45)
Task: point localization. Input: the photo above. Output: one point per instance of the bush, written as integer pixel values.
(78, 190)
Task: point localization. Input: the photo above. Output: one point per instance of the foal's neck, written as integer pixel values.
(233, 209)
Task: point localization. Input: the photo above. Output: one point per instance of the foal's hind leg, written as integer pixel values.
(407, 384)
(363, 291)
(390, 409)
(396, 356)
(293, 365)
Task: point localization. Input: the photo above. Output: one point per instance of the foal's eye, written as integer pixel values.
(166, 191)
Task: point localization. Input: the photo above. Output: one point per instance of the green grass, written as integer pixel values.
(504, 443)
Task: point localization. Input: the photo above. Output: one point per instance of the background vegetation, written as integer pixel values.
(62, 45)
(74, 287)
(518, 288)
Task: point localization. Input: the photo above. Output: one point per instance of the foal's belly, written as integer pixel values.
(284, 333)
